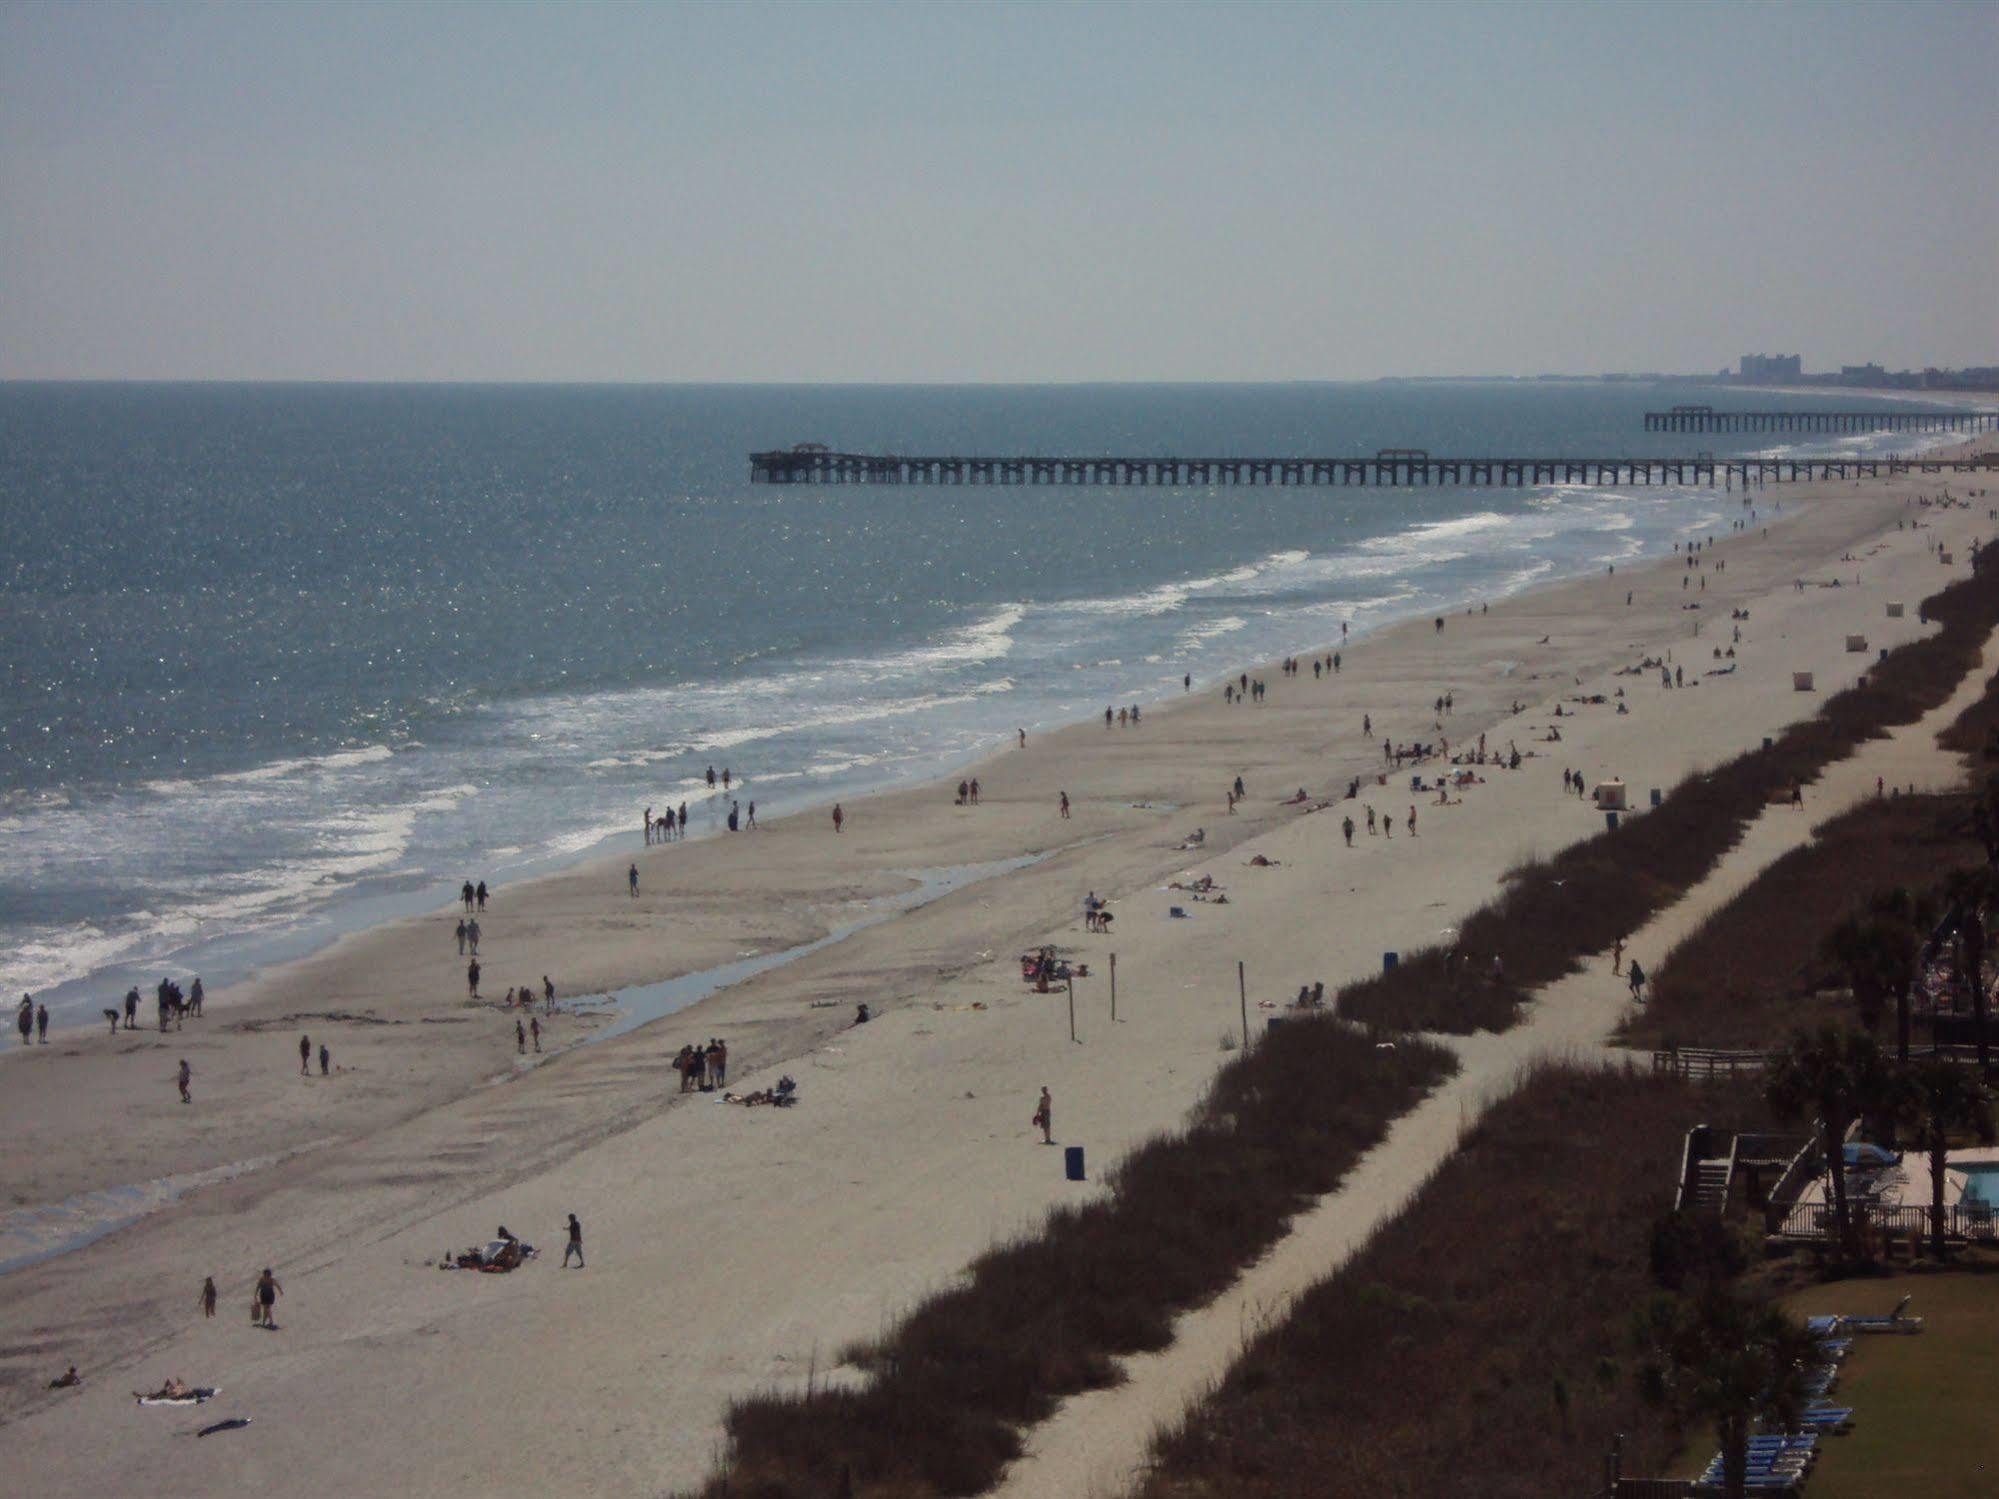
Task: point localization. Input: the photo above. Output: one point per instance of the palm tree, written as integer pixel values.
(1939, 1099)
(1877, 951)
(1971, 892)
(1719, 1357)
(1837, 1076)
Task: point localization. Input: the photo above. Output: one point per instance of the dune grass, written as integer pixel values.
(1480, 1343)
(1756, 969)
(1047, 1315)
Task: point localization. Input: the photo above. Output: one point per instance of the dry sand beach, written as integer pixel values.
(733, 1249)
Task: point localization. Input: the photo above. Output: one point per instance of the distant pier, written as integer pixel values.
(1401, 468)
(1707, 419)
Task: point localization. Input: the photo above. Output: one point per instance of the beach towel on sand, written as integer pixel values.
(200, 1394)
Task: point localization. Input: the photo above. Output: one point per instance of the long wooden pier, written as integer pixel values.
(1707, 419)
(811, 463)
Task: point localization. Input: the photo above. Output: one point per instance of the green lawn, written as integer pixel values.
(1925, 1407)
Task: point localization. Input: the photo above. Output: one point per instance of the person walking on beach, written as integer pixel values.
(1023, 737)
(1346, 826)
(25, 1019)
(465, 894)
(132, 1008)
(1637, 983)
(42, 1023)
(548, 993)
(575, 1245)
(472, 935)
(1617, 957)
(208, 1297)
(632, 881)
(325, 1060)
(267, 1294)
(1065, 805)
(718, 1062)
(472, 977)
(520, 1038)
(753, 815)
(534, 1031)
(461, 936)
(304, 1055)
(186, 1076)
(1412, 819)
(735, 815)
(839, 817)
(1044, 1118)
(711, 778)
(481, 893)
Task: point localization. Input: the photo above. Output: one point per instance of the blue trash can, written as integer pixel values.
(1767, 741)
(1389, 960)
(1275, 1021)
(1072, 1162)
(1610, 821)
(1655, 796)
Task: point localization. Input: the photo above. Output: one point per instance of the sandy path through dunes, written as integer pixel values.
(1096, 1443)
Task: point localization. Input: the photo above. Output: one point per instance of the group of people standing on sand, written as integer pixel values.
(968, 793)
(703, 1069)
(1123, 717)
(668, 826)
(263, 1300)
(32, 1015)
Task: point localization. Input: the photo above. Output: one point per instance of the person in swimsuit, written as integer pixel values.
(1044, 1118)
(304, 1055)
(268, 1292)
(575, 1245)
(186, 1074)
(208, 1297)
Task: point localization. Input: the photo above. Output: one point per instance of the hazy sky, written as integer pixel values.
(850, 191)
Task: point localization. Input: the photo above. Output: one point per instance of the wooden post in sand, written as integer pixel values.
(1242, 993)
(1113, 988)
(1071, 985)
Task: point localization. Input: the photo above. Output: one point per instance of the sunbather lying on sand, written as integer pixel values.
(173, 1389)
(1260, 862)
(786, 1092)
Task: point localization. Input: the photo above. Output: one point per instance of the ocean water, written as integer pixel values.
(279, 660)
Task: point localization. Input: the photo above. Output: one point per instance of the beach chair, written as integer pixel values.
(1894, 1321)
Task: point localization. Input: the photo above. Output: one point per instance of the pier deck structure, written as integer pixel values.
(1707, 419)
(812, 463)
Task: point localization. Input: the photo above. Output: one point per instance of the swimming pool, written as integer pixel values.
(1981, 1181)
